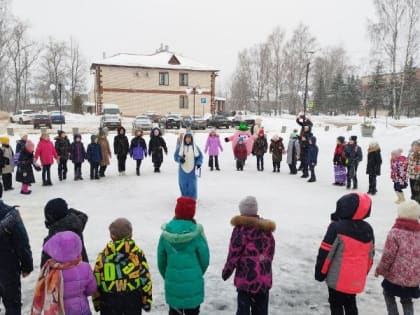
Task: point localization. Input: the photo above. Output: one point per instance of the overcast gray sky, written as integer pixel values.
(210, 31)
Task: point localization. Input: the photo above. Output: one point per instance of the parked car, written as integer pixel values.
(218, 121)
(198, 122)
(186, 121)
(250, 120)
(110, 121)
(41, 120)
(142, 122)
(57, 117)
(22, 116)
(170, 121)
(153, 116)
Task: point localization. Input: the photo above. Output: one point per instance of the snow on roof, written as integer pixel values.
(161, 60)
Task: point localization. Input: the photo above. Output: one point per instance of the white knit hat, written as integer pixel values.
(248, 206)
(409, 210)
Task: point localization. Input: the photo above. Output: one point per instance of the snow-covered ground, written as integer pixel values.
(300, 209)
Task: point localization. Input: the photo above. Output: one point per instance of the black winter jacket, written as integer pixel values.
(156, 147)
(374, 161)
(25, 173)
(62, 146)
(75, 221)
(121, 145)
(15, 251)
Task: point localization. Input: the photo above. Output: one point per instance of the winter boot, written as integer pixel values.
(138, 171)
(312, 179)
(216, 161)
(401, 197)
(64, 175)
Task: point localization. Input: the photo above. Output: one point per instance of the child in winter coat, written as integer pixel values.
(65, 281)
(8, 163)
(373, 167)
(183, 257)
(303, 156)
(354, 156)
(260, 148)
(46, 152)
(59, 218)
(251, 252)
(24, 173)
(293, 152)
(122, 274)
(121, 149)
(213, 145)
(413, 170)
(77, 156)
(346, 253)
(105, 153)
(312, 158)
(16, 257)
(240, 152)
(62, 146)
(399, 174)
(157, 146)
(94, 156)
(277, 150)
(339, 161)
(138, 150)
(400, 260)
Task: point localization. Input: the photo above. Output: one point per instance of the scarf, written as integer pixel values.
(407, 224)
(49, 289)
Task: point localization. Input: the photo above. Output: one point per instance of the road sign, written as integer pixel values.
(203, 100)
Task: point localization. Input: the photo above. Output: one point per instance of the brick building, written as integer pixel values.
(163, 82)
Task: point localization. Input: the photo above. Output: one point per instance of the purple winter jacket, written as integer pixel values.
(212, 145)
(251, 253)
(79, 282)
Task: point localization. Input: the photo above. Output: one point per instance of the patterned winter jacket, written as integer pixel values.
(277, 149)
(346, 252)
(121, 268)
(413, 169)
(260, 146)
(8, 159)
(401, 256)
(399, 170)
(251, 253)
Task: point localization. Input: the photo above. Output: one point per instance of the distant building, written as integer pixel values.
(162, 82)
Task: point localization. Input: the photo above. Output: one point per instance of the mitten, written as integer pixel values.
(146, 307)
(226, 139)
(182, 160)
(198, 165)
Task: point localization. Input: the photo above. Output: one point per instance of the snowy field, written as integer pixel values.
(300, 209)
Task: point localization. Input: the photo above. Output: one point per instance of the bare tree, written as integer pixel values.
(275, 42)
(241, 90)
(77, 69)
(260, 72)
(386, 33)
(4, 41)
(295, 60)
(22, 54)
(54, 66)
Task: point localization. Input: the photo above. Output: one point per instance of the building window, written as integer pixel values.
(183, 79)
(163, 78)
(183, 101)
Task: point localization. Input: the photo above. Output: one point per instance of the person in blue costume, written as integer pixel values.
(190, 158)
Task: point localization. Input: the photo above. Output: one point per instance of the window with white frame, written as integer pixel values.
(163, 78)
(183, 79)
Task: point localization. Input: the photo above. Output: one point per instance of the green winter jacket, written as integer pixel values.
(183, 257)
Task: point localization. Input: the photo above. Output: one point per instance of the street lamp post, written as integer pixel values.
(194, 90)
(53, 87)
(305, 97)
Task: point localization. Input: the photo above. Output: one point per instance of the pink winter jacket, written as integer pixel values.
(46, 152)
(401, 256)
(213, 145)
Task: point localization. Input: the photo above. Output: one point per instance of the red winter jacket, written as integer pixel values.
(346, 253)
(240, 152)
(46, 152)
(401, 256)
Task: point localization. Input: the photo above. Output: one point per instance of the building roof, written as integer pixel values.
(160, 60)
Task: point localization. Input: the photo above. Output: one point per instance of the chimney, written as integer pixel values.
(103, 55)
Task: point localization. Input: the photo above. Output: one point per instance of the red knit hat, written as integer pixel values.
(185, 208)
(261, 132)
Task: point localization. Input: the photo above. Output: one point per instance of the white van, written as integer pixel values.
(110, 116)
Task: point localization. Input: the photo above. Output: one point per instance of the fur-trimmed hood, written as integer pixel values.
(374, 146)
(255, 222)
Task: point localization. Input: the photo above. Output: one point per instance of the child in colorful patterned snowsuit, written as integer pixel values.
(251, 253)
(413, 170)
(399, 174)
(122, 274)
(400, 260)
